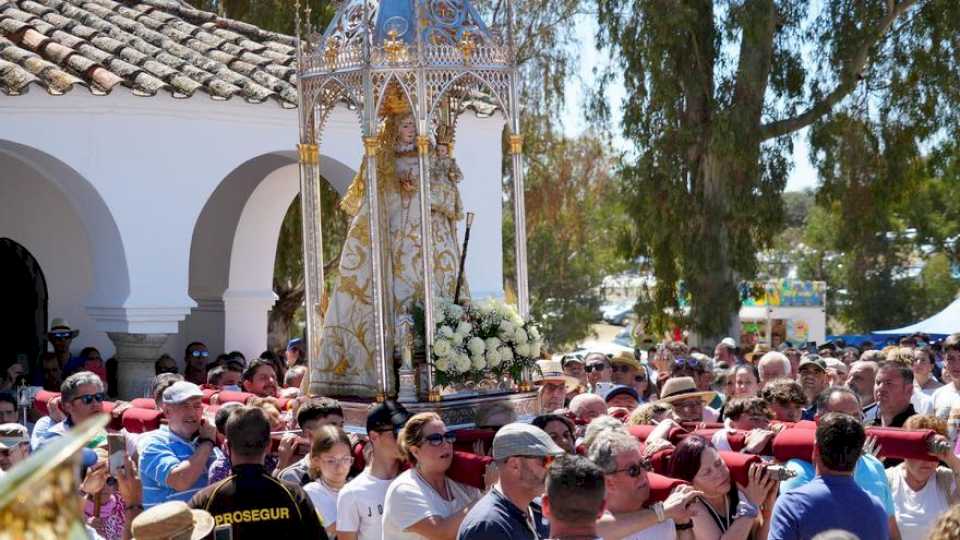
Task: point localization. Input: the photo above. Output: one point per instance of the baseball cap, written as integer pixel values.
(729, 343)
(12, 434)
(387, 414)
(520, 439)
(569, 359)
(181, 391)
(295, 342)
(620, 390)
(812, 360)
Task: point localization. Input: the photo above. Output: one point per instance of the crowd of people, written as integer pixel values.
(668, 442)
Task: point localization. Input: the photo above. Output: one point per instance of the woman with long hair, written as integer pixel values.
(423, 503)
(725, 511)
(330, 461)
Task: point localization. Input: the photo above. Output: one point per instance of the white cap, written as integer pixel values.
(729, 343)
(181, 391)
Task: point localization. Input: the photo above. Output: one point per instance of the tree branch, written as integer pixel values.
(848, 79)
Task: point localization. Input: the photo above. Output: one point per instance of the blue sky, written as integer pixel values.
(802, 175)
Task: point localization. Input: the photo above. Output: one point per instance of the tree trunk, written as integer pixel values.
(280, 326)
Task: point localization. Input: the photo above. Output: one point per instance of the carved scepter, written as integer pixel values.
(463, 258)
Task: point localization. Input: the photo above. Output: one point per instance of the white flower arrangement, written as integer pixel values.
(475, 341)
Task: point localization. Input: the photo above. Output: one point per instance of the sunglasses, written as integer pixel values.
(60, 335)
(333, 462)
(437, 439)
(622, 368)
(199, 354)
(595, 367)
(635, 470)
(693, 363)
(87, 399)
(640, 378)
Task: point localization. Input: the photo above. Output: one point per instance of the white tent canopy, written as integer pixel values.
(944, 323)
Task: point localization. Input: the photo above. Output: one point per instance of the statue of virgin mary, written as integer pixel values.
(346, 363)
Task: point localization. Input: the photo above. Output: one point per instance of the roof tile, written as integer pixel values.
(146, 45)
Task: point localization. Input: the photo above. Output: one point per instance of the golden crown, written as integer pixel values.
(445, 134)
(395, 102)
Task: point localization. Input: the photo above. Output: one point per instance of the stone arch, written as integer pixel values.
(234, 247)
(57, 214)
(23, 322)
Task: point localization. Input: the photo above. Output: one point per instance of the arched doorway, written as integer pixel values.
(23, 320)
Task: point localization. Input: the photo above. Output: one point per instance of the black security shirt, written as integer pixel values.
(258, 505)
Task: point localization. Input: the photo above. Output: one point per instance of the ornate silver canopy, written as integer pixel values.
(441, 55)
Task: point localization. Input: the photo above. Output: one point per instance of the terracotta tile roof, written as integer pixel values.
(147, 46)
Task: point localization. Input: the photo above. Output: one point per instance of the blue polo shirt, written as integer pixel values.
(869, 474)
(494, 517)
(160, 451)
(825, 503)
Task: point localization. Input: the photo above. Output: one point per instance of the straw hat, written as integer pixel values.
(172, 520)
(680, 388)
(626, 358)
(552, 371)
(759, 350)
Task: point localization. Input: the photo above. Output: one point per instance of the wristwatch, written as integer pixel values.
(745, 509)
(683, 526)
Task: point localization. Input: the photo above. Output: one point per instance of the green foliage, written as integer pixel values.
(714, 91)
(573, 218)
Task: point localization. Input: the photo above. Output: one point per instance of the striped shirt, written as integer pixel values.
(160, 452)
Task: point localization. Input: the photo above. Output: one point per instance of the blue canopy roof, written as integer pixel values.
(442, 22)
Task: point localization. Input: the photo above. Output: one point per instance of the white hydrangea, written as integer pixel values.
(493, 343)
(507, 330)
(464, 328)
(493, 358)
(506, 354)
(454, 311)
(535, 350)
(476, 346)
(523, 349)
(479, 363)
(442, 364)
(442, 347)
(534, 333)
(457, 340)
(520, 336)
(462, 363)
(446, 331)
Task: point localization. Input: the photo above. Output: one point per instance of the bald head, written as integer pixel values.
(860, 379)
(773, 365)
(588, 406)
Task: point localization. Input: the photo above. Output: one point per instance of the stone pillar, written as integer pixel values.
(246, 317)
(136, 354)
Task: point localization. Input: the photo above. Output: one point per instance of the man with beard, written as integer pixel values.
(507, 512)
(947, 396)
(813, 380)
(260, 379)
(863, 374)
(195, 363)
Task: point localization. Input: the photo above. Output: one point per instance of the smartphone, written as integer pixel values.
(602, 388)
(116, 452)
(223, 532)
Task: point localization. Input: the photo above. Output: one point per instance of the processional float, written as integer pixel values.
(436, 56)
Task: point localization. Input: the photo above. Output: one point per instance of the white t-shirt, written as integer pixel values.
(360, 506)
(945, 398)
(665, 530)
(410, 499)
(324, 500)
(916, 510)
(921, 402)
(720, 440)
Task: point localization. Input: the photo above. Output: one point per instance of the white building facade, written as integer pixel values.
(150, 222)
